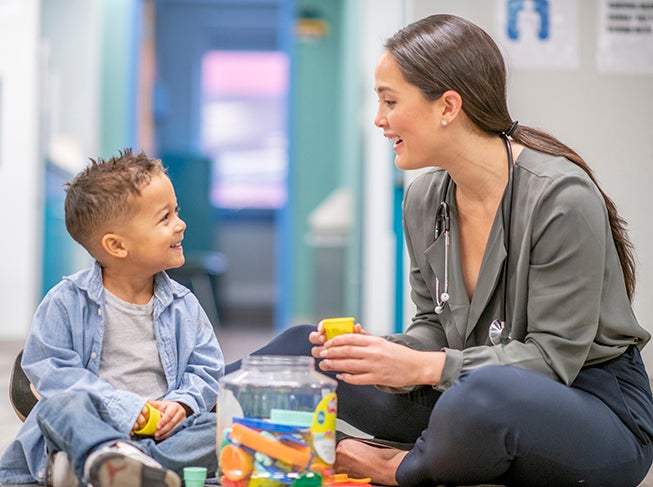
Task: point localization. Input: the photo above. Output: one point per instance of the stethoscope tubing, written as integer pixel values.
(498, 332)
(443, 215)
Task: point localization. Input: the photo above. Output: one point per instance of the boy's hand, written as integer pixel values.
(141, 421)
(172, 414)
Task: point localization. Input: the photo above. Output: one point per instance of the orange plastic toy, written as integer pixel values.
(256, 441)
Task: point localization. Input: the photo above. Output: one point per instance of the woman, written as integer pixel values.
(509, 227)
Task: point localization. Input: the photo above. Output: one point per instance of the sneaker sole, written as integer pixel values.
(65, 476)
(116, 470)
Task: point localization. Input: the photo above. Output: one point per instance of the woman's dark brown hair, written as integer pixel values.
(445, 52)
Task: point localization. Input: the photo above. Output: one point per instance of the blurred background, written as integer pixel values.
(262, 110)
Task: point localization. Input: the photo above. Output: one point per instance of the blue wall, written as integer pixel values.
(317, 114)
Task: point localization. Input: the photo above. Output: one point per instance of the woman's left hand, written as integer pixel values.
(369, 360)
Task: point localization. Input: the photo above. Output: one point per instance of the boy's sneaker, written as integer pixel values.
(124, 465)
(59, 471)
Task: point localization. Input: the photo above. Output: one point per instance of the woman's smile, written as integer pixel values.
(396, 143)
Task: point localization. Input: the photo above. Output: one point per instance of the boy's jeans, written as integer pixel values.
(71, 422)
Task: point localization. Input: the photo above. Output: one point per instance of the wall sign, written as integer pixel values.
(540, 34)
(625, 37)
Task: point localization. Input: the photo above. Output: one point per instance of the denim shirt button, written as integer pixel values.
(99, 311)
(93, 355)
(40, 474)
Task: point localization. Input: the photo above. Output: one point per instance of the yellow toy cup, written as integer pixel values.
(153, 417)
(337, 326)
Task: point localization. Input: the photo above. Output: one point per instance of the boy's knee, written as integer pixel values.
(63, 400)
(205, 419)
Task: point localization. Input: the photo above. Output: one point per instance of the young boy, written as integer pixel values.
(109, 339)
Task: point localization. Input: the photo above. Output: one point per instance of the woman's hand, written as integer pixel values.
(318, 338)
(366, 359)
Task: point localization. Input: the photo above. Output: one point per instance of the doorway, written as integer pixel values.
(221, 95)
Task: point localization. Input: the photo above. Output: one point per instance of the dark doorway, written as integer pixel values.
(220, 98)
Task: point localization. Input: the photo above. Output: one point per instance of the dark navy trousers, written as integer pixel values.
(509, 426)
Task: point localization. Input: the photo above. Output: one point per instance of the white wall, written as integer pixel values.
(381, 18)
(607, 119)
(72, 32)
(49, 104)
(20, 170)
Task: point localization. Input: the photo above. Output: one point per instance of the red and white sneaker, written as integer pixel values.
(124, 465)
(59, 471)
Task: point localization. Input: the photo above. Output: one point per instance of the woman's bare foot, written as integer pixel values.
(361, 460)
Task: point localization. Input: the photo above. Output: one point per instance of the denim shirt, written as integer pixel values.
(63, 351)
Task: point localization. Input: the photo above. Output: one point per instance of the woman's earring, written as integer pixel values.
(444, 122)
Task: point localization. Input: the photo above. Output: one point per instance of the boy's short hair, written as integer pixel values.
(100, 195)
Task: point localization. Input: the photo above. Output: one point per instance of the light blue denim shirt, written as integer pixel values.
(63, 349)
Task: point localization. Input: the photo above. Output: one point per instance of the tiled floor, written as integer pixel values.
(234, 342)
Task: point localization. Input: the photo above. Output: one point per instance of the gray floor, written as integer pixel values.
(235, 343)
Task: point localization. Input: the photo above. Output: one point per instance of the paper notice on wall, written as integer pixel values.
(540, 34)
(625, 37)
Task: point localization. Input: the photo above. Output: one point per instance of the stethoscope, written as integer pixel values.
(498, 332)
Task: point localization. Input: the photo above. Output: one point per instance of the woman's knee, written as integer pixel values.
(472, 401)
(298, 335)
(292, 341)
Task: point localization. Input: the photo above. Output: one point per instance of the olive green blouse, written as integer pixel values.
(566, 302)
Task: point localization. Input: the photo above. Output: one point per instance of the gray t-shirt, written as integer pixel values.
(130, 357)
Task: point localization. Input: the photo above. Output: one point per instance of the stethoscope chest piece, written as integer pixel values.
(498, 333)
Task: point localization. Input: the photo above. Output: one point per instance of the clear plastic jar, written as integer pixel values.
(276, 423)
